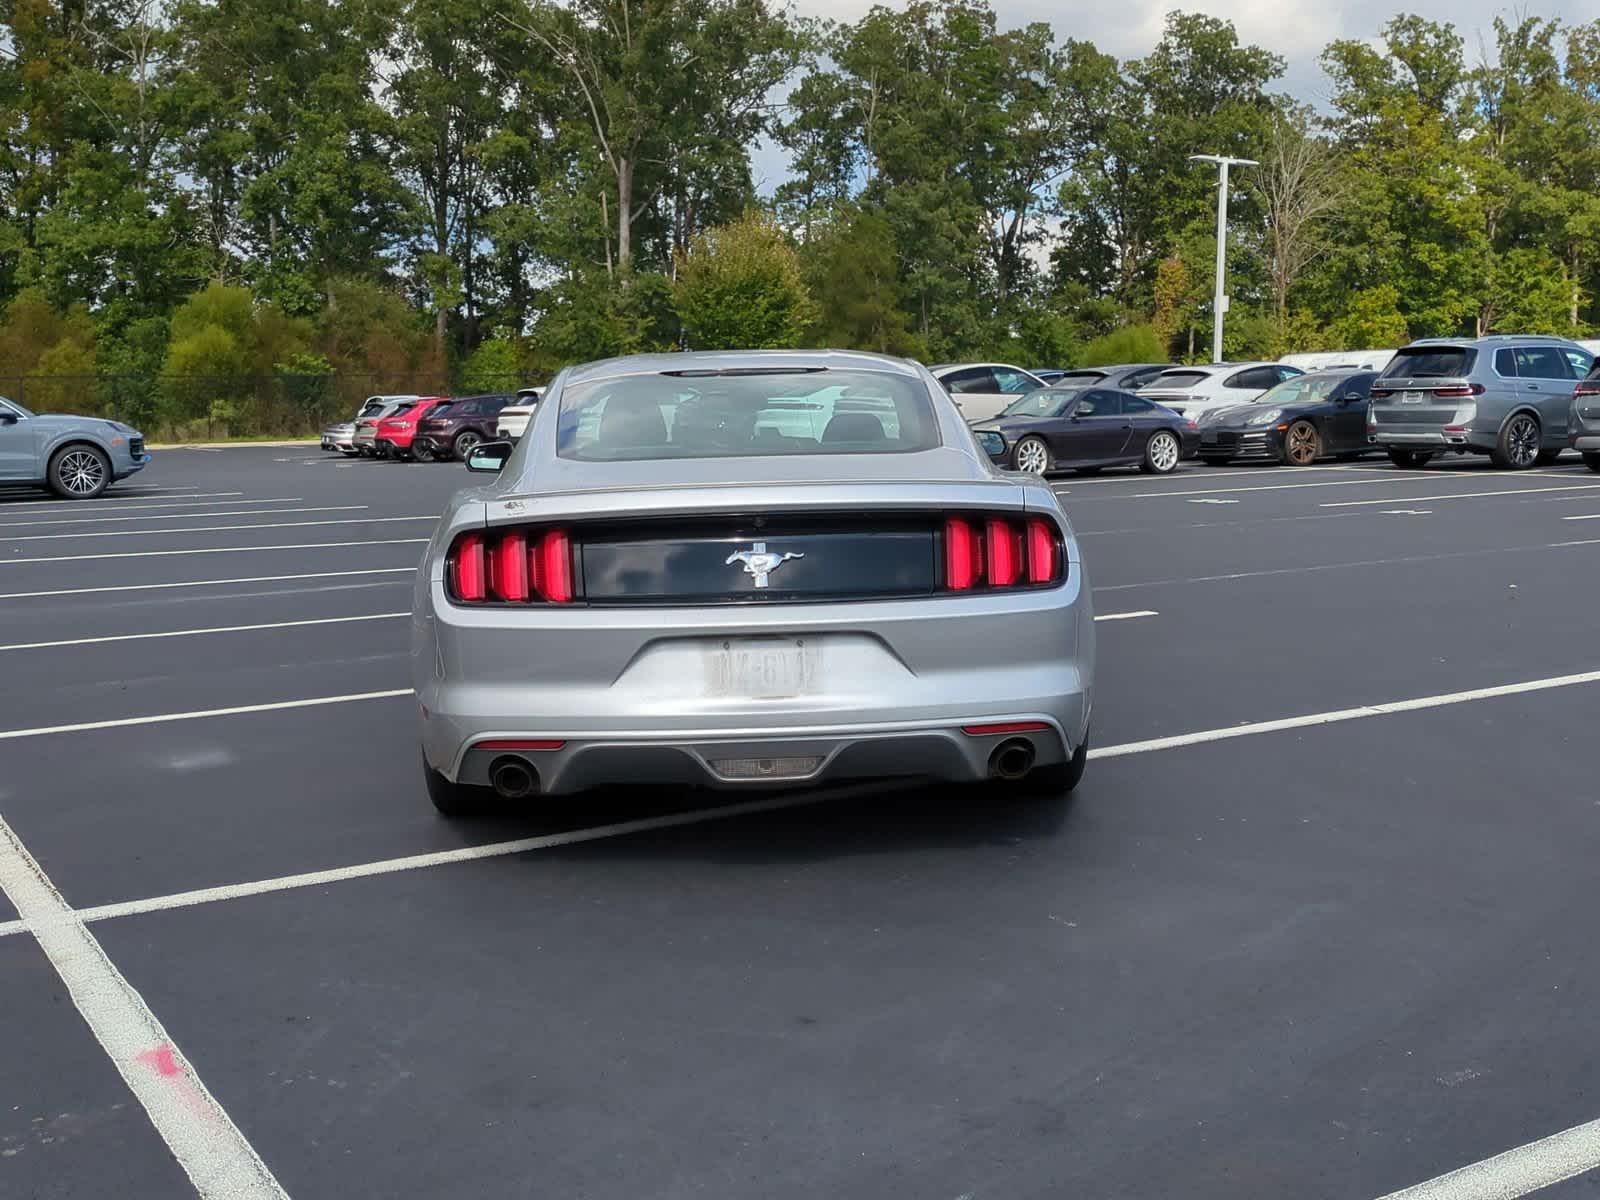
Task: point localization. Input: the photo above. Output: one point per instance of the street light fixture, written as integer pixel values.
(1220, 300)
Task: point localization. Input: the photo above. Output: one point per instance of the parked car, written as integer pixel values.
(1350, 360)
(875, 600)
(77, 458)
(1127, 377)
(983, 390)
(1583, 423)
(1505, 395)
(1197, 390)
(452, 430)
(512, 422)
(365, 439)
(1086, 429)
(1048, 375)
(1296, 423)
(341, 437)
(394, 435)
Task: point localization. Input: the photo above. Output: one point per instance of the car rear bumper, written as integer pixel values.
(1435, 440)
(511, 427)
(1584, 441)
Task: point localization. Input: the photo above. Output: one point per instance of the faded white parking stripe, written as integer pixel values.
(1516, 1172)
(220, 1163)
(184, 516)
(177, 633)
(195, 583)
(120, 500)
(1570, 487)
(1297, 486)
(521, 845)
(105, 533)
(200, 714)
(1122, 616)
(12, 562)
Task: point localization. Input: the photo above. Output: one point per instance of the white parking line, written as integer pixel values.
(185, 516)
(1516, 1172)
(1284, 487)
(220, 1163)
(58, 537)
(1122, 616)
(123, 500)
(1571, 487)
(200, 714)
(175, 633)
(1583, 517)
(498, 849)
(11, 562)
(194, 583)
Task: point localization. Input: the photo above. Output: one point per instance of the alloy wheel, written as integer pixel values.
(1163, 451)
(81, 472)
(464, 444)
(1300, 444)
(1522, 441)
(1032, 456)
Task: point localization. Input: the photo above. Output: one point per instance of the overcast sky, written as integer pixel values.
(1295, 29)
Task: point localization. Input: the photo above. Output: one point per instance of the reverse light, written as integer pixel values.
(511, 566)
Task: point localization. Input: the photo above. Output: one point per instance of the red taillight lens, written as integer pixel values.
(513, 566)
(1589, 387)
(1459, 393)
(1380, 393)
(1000, 552)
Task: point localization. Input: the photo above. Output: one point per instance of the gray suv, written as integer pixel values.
(1583, 425)
(1505, 395)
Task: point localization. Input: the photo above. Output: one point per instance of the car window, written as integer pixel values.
(639, 417)
(13, 406)
(1014, 382)
(1431, 362)
(1133, 404)
(1139, 378)
(494, 404)
(1505, 362)
(1042, 402)
(1098, 403)
(975, 381)
(1581, 361)
(1303, 389)
(1542, 362)
(1253, 378)
(1082, 377)
(1286, 372)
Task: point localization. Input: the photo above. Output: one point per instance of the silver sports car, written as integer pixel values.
(744, 570)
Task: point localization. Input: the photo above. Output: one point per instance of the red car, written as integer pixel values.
(395, 434)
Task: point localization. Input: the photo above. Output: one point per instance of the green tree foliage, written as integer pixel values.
(495, 366)
(1130, 344)
(855, 280)
(740, 286)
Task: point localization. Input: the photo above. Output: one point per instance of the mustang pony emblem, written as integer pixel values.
(759, 562)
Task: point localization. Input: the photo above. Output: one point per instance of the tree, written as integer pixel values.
(1301, 183)
(740, 287)
(853, 276)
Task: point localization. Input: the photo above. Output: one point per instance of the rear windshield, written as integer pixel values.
(1178, 378)
(637, 417)
(1046, 402)
(1431, 362)
(1080, 377)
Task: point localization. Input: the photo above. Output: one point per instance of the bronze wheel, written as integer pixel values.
(1302, 445)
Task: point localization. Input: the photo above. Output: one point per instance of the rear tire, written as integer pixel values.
(422, 454)
(79, 472)
(1592, 461)
(1517, 447)
(452, 799)
(1032, 456)
(1161, 453)
(1409, 458)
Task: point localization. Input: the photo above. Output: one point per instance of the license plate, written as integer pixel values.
(762, 669)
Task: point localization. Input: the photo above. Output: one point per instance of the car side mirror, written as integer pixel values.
(489, 457)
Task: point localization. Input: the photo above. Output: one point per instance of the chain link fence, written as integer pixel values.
(196, 406)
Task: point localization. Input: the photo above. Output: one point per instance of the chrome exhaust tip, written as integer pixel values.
(1012, 759)
(513, 778)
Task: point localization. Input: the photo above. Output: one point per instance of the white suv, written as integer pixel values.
(983, 390)
(513, 420)
(1210, 387)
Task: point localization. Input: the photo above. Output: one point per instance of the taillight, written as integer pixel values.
(511, 566)
(1381, 393)
(1001, 552)
(1459, 393)
(1589, 387)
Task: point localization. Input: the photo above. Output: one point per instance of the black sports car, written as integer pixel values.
(1085, 429)
(1299, 421)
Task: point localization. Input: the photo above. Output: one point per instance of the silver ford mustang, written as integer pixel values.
(748, 569)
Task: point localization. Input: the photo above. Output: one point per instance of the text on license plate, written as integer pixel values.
(763, 668)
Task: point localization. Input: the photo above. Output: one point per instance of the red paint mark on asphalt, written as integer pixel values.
(161, 1058)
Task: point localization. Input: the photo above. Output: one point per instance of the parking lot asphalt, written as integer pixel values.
(1318, 922)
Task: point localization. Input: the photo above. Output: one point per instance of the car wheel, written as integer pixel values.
(1409, 458)
(1592, 461)
(1517, 447)
(1302, 444)
(422, 454)
(1161, 453)
(79, 472)
(1054, 782)
(1032, 456)
(1547, 458)
(465, 441)
(452, 799)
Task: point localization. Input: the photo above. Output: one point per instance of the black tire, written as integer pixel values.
(465, 441)
(1547, 458)
(1408, 458)
(421, 453)
(1302, 444)
(1033, 452)
(1592, 461)
(1162, 453)
(79, 472)
(1055, 782)
(1517, 447)
(452, 799)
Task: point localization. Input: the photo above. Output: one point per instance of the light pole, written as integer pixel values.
(1220, 300)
